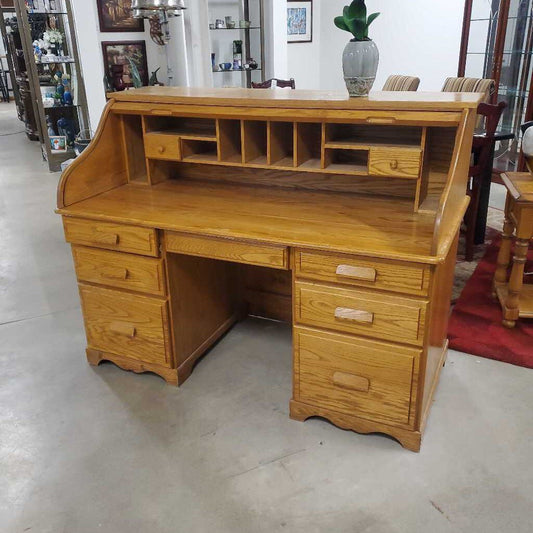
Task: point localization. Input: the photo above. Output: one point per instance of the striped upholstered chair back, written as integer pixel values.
(401, 83)
(470, 85)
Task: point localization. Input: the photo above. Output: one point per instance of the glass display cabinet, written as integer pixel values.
(52, 75)
(497, 43)
(236, 29)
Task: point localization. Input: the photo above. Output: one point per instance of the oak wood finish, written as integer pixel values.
(131, 325)
(118, 237)
(338, 215)
(516, 299)
(124, 271)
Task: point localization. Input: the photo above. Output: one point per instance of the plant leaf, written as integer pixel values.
(357, 10)
(339, 22)
(372, 18)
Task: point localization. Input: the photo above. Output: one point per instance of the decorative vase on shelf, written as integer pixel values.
(360, 61)
(117, 71)
(360, 58)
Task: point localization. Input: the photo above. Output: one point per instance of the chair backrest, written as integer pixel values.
(470, 85)
(482, 144)
(401, 83)
(279, 83)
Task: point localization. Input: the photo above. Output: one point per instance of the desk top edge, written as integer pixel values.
(300, 98)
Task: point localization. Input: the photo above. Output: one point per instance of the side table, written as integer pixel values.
(515, 298)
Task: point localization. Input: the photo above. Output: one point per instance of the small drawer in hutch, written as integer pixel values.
(396, 162)
(162, 146)
(126, 324)
(119, 237)
(116, 269)
(373, 273)
(355, 376)
(360, 312)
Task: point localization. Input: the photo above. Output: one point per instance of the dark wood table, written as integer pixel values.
(484, 194)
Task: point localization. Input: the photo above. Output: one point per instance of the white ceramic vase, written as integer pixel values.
(360, 61)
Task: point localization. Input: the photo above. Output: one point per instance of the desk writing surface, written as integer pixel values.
(322, 220)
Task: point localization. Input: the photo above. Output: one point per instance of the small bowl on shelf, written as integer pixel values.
(230, 25)
(245, 24)
(225, 66)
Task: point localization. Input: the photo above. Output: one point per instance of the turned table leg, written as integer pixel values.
(512, 303)
(504, 255)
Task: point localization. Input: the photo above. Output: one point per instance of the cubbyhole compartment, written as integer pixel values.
(281, 144)
(308, 145)
(132, 134)
(346, 161)
(254, 142)
(368, 135)
(193, 128)
(200, 151)
(229, 141)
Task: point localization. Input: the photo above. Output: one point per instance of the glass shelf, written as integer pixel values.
(235, 29)
(30, 13)
(55, 62)
(73, 106)
(496, 17)
(242, 70)
(505, 52)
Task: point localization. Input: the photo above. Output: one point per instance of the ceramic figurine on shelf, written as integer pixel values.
(117, 72)
(67, 93)
(66, 127)
(153, 78)
(50, 126)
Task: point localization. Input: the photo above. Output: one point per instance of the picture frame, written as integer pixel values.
(117, 52)
(299, 21)
(116, 16)
(58, 144)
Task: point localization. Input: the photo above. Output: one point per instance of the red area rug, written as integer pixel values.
(476, 321)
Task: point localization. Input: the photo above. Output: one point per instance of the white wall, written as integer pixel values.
(417, 37)
(90, 50)
(304, 58)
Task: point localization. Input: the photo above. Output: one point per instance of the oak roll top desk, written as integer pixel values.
(192, 208)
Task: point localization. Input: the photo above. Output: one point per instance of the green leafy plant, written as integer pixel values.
(355, 21)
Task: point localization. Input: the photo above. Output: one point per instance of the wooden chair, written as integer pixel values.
(279, 83)
(481, 150)
(401, 83)
(470, 85)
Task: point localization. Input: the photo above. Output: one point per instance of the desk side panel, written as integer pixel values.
(99, 168)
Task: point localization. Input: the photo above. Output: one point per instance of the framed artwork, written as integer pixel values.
(118, 52)
(299, 21)
(58, 143)
(116, 15)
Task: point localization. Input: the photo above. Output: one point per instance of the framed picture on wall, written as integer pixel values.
(116, 15)
(299, 21)
(120, 52)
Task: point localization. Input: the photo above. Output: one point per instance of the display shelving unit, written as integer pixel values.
(253, 40)
(33, 18)
(497, 43)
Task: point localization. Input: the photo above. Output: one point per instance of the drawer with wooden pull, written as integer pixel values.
(162, 146)
(125, 324)
(352, 270)
(228, 250)
(359, 377)
(360, 312)
(118, 269)
(396, 162)
(119, 237)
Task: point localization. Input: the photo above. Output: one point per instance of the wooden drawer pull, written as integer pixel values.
(363, 273)
(161, 149)
(354, 315)
(394, 164)
(117, 273)
(351, 382)
(378, 120)
(120, 328)
(106, 238)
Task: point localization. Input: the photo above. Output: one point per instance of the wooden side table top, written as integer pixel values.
(519, 185)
